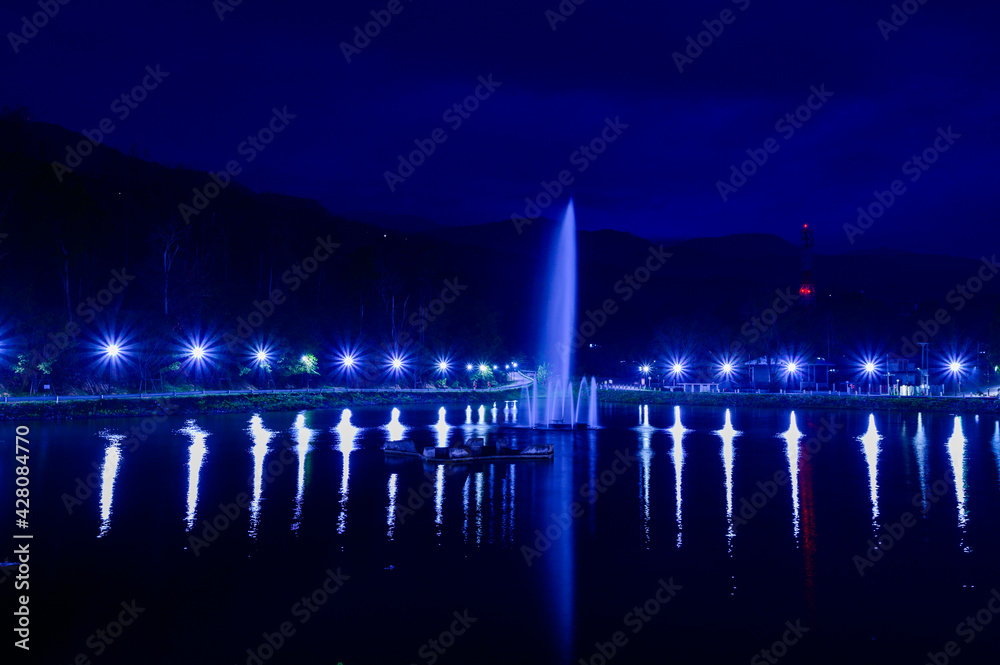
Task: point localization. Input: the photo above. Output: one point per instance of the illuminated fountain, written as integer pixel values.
(560, 408)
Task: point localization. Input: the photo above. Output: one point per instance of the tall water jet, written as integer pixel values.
(527, 405)
(592, 404)
(534, 403)
(557, 327)
(550, 402)
(579, 399)
(560, 312)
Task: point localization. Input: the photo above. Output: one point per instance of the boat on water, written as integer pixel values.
(472, 450)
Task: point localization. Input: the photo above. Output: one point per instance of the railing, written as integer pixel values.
(290, 391)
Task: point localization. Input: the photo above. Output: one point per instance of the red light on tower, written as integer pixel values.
(807, 292)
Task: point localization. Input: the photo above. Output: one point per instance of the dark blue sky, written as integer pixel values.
(557, 88)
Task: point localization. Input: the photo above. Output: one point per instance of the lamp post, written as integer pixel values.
(888, 385)
(442, 367)
(348, 362)
(676, 370)
(115, 352)
(196, 355)
(955, 367)
(262, 359)
(869, 368)
(727, 370)
(791, 369)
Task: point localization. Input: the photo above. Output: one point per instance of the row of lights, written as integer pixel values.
(198, 353)
(791, 367)
(726, 368)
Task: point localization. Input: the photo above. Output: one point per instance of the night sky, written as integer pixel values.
(554, 90)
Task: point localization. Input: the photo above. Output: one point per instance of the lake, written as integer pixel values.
(670, 534)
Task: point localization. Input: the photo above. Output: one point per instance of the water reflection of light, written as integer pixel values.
(346, 433)
(468, 415)
(677, 432)
(109, 472)
(261, 437)
(645, 456)
(956, 452)
(466, 489)
(493, 521)
(809, 534)
(870, 443)
(920, 448)
(442, 429)
(493, 413)
(482, 415)
(439, 499)
(996, 444)
(792, 436)
(728, 435)
(511, 505)
(391, 513)
(504, 516)
(395, 429)
(302, 435)
(479, 507)
(196, 455)
(592, 474)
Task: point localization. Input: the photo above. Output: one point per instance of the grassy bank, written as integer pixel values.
(186, 405)
(979, 405)
(244, 403)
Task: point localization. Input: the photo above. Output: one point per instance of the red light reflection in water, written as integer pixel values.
(808, 524)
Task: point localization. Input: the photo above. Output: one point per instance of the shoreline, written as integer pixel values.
(255, 402)
(965, 405)
(198, 404)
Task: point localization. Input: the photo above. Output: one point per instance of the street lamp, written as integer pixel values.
(198, 355)
(791, 369)
(261, 358)
(676, 369)
(442, 367)
(888, 375)
(870, 370)
(347, 362)
(727, 369)
(114, 351)
(955, 367)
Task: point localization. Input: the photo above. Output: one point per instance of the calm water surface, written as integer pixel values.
(744, 521)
